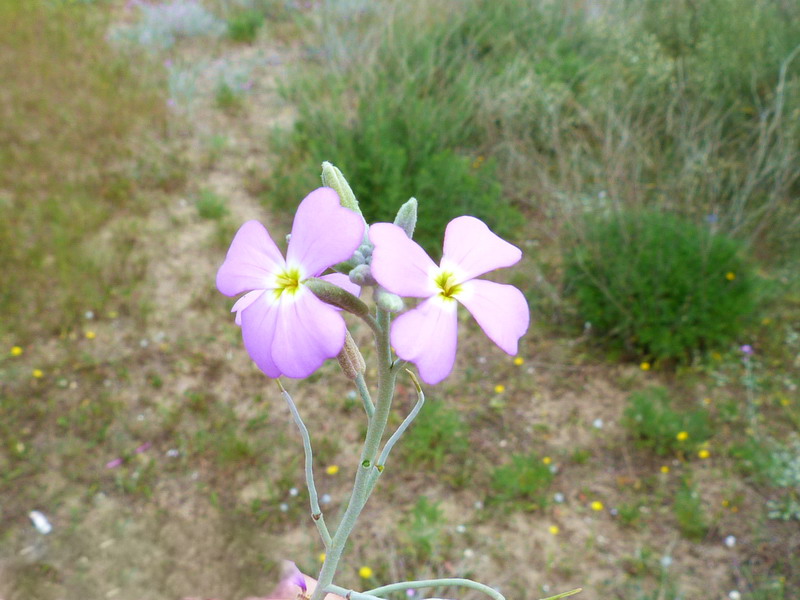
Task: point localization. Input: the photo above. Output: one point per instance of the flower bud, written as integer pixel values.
(333, 178)
(366, 250)
(350, 358)
(336, 296)
(351, 263)
(406, 217)
(387, 301)
(362, 275)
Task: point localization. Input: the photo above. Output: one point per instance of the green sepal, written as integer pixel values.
(406, 217)
(333, 178)
(336, 296)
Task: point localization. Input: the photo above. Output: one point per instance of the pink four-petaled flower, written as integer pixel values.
(286, 329)
(428, 334)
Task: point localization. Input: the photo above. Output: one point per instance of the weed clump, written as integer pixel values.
(523, 482)
(659, 286)
(655, 424)
(438, 434)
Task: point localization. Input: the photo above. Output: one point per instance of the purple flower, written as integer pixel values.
(427, 335)
(747, 349)
(286, 329)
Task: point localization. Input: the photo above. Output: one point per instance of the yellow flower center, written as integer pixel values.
(287, 282)
(448, 285)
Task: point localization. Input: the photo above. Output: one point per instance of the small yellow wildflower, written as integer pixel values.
(37, 373)
(706, 401)
(716, 356)
(726, 503)
(664, 469)
(519, 361)
(321, 557)
(90, 335)
(332, 469)
(499, 388)
(20, 447)
(682, 436)
(547, 460)
(645, 366)
(554, 529)
(730, 275)
(112, 314)
(766, 321)
(704, 454)
(16, 351)
(597, 505)
(734, 509)
(785, 401)
(365, 572)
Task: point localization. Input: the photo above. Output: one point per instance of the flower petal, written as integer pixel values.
(428, 336)
(501, 311)
(472, 249)
(251, 260)
(399, 264)
(324, 232)
(259, 323)
(343, 281)
(243, 303)
(308, 333)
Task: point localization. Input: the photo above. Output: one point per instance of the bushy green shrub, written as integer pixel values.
(654, 423)
(523, 481)
(659, 286)
(243, 26)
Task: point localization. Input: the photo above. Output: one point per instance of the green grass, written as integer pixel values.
(79, 128)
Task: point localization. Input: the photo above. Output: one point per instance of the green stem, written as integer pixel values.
(363, 391)
(361, 487)
(316, 512)
(397, 434)
(411, 585)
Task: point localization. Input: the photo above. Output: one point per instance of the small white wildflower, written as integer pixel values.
(41, 523)
(469, 553)
(293, 492)
(730, 541)
(173, 452)
(325, 499)
(283, 507)
(734, 595)
(461, 528)
(597, 423)
(666, 561)
(558, 497)
(478, 505)
(89, 315)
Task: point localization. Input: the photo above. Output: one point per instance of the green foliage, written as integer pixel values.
(522, 482)
(227, 97)
(423, 531)
(406, 125)
(243, 26)
(688, 510)
(659, 286)
(75, 150)
(437, 437)
(210, 205)
(653, 423)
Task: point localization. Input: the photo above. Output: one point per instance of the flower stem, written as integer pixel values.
(375, 430)
(363, 391)
(424, 583)
(316, 512)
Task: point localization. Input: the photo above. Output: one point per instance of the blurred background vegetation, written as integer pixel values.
(646, 157)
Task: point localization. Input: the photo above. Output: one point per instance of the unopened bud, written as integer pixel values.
(362, 275)
(388, 301)
(333, 178)
(336, 296)
(366, 249)
(351, 263)
(350, 358)
(406, 217)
